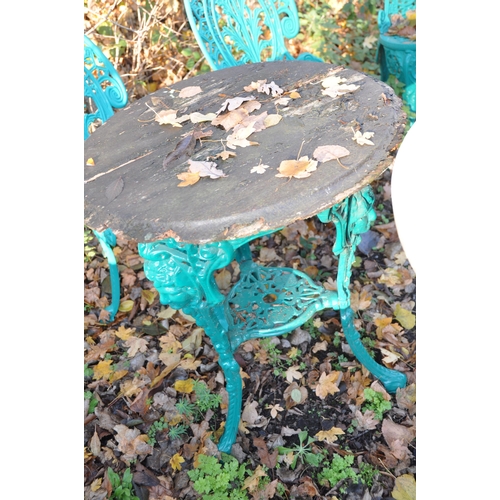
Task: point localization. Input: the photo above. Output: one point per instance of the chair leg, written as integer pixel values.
(107, 239)
(352, 217)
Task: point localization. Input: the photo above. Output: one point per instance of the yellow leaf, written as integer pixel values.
(406, 318)
(90, 162)
(327, 384)
(294, 95)
(117, 375)
(188, 178)
(126, 305)
(252, 483)
(103, 369)
(166, 313)
(148, 296)
(329, 436)
(96, 484)
(124, 333)
(381, 322)
(176, 461)
(405, 488)
(184, 386)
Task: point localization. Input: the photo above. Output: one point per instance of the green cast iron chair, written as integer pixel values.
(396, 54)
(266, 301)
(104, 92)
(233, 32)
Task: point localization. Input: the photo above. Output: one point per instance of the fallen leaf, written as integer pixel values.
(168, 117)
(292, 393)
(259, 169)
(103, 370)
(124, 333)
(331, 152)
(254, 85)
(405, 318)
(114, 189)
(90, 162)
(327, 384)
(272, 120)
(334, 86)
(206, 169)
(294, 95)
(251, 483)
(293, 373)
(366, 421)
(188, 178)
(176, 461)
(283, 101)
(405, 488)
(389, 357)
(270, 88)
(225, 154)
(364, 138)
(233, 103)
(274, 409)
(329, 436)
(135, 345)
(190, 91)
(131, 442)
(126, 305)
(183, 149)
(299, 169)
(199, 117)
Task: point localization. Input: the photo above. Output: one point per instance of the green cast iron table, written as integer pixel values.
(185, 234)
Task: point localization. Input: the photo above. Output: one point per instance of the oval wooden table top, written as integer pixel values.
(132, 161)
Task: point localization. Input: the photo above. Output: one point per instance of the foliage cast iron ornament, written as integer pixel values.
(266, 301)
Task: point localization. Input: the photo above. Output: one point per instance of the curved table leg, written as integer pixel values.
(352, 217)
(107, 240)
(183, 274)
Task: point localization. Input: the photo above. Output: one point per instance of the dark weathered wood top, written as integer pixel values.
(129, 150)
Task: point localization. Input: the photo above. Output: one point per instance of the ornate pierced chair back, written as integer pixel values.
(393, 7)
(104, 90)
(234, 32)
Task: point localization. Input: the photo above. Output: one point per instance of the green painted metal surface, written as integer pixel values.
(397, 55)
(233, 32)
(104, 91)
(266, 301)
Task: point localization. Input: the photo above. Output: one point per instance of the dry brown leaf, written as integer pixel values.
(330, 152)
(299, 169)
(225, 154)
(233, 103)
(190, 91)
(131, 442)
(327, 384)
(329, 436)
(168, 117)
(199, 117)
(188, 178)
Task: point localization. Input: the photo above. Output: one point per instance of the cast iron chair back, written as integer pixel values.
(396, 54)
(104, 90)
(234, 32)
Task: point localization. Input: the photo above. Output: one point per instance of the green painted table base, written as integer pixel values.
(266, 301)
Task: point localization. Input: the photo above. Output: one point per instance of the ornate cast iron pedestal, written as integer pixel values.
(266, 301)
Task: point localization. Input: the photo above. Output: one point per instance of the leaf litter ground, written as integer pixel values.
(155, 398)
